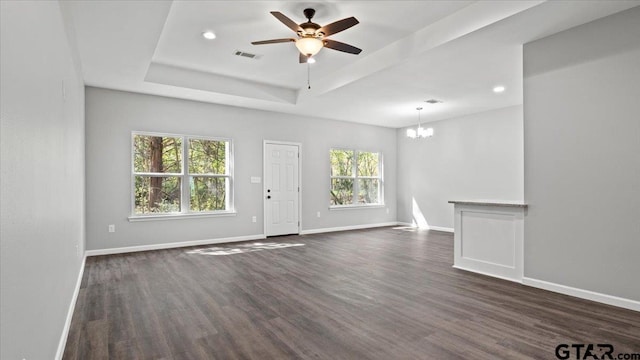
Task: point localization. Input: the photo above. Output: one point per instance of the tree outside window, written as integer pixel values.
(167, 182)
(356, 178)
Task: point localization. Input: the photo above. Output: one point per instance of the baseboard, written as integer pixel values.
(346, 228)
(583, 294)
(129, 249)
(436, 228)
(67, 324)
(487, 274)
(440, 228)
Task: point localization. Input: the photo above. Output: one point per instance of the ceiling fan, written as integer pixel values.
(313, 37)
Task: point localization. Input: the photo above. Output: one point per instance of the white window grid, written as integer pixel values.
(355, 177)
(185, 175)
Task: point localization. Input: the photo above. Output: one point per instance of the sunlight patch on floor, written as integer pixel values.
(411, 228)
(241, 249)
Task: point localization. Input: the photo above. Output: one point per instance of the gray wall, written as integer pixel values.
(582, 156)
(42, 188)
(479, 156)
(112, 115)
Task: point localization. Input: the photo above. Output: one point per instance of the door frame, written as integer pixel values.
(264, 173)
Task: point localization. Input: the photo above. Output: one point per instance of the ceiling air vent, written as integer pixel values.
(247, 55)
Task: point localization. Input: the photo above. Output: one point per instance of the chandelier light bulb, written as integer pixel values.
(424, 133)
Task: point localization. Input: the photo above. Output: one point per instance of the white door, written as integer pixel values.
(281, 189)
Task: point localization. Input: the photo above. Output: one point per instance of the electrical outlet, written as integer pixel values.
(254, 219)
(387, 210)
(112, 228)
(318, 214)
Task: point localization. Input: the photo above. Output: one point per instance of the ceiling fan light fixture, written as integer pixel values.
(309, 45)
(311, 37)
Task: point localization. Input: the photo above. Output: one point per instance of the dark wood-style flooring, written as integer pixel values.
(381, 293)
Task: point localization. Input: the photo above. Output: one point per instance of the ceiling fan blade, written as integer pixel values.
(337, 45)
(338, 26)
(285, 20)
(274, 41)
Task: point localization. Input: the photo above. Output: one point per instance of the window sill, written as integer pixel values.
(180, 216)
(352, 207)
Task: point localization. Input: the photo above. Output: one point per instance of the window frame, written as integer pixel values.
(185, 176)
(356, 186)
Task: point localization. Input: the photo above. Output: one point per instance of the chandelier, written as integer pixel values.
(420, 132)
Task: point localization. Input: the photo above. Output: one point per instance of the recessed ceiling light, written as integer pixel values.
(311, 60)
(209, 35)
(498, 89)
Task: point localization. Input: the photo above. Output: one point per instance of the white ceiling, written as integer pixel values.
(454, 51)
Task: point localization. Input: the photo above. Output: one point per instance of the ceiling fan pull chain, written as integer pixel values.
(308, 76)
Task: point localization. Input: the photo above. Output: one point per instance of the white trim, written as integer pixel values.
(345, 228)
(355, 177)
(264, 174)
(185, 176)
(72, 306)
(179, 216)
(485, 273)
(441, 228)
(353, 207)
(436, 228)
(509, 264)
(129, 249)
(583, 294)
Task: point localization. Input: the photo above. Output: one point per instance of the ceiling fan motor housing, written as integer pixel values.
(310, 28)
(308, 13)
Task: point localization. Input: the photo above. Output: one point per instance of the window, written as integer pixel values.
(356, 178)
(167, 182)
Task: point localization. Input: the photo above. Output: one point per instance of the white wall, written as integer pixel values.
(582, 156)
(112, 115)
(42, 189)
(479, 156)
